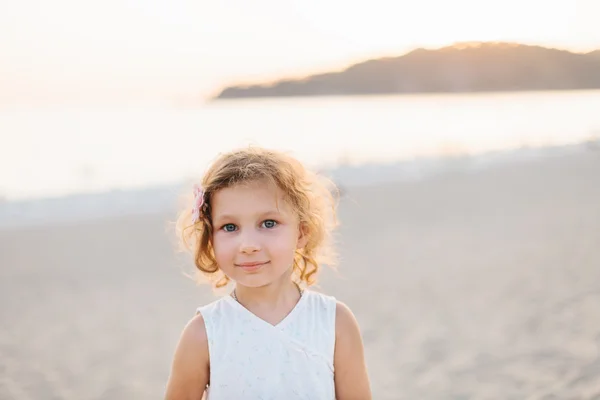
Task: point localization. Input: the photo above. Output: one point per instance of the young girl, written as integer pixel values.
(261, 220)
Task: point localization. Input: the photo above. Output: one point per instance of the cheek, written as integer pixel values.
(222, 247)
(283, 245)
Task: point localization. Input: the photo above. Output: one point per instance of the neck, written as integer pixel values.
(275, 294)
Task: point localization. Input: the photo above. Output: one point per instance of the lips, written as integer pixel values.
(251, 266)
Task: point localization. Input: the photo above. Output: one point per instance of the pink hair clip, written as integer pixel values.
(198, 203)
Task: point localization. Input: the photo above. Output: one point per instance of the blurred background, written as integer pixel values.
(465, 136)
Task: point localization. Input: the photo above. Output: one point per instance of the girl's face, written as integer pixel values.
(256, 233)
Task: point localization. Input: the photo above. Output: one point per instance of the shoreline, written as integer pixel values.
(82, 207)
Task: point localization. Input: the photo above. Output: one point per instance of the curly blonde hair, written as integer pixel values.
(312, 197)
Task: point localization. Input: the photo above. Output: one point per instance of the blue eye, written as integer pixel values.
(269, 224)
(229, 227)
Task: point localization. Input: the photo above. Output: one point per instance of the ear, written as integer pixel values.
(302, 235)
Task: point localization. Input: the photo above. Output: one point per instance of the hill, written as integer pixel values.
(465, 67)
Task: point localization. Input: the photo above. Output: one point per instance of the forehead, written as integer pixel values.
(250, 198)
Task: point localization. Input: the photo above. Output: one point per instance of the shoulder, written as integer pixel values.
(323, 306)
(213, 313)
(346, 324)
(192, 348)
(319, 298)
(211, 307)
(343, 315)
(194, 331)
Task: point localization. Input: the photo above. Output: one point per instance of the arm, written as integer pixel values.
(190, 367)
(351, 378)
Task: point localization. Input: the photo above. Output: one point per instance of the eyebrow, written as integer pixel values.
(260, 214)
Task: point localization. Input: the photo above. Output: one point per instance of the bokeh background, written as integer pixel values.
(465, 137)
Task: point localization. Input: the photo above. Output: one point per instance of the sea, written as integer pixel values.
(66, 163)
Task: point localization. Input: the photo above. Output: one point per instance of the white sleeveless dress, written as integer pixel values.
(250, 359)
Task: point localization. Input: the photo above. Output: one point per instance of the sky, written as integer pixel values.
(72, 50)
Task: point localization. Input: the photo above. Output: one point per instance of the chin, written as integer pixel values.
(255, 281)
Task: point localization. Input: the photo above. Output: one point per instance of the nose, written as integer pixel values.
(249, 243)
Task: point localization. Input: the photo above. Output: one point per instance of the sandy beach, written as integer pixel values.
(470, 284)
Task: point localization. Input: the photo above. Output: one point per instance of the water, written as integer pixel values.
(55, 152)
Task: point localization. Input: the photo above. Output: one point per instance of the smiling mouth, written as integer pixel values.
(252, 266)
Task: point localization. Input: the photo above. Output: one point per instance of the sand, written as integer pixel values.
(467, 285)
